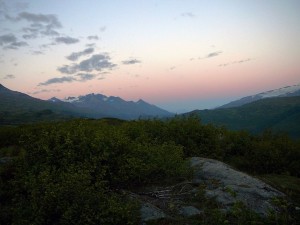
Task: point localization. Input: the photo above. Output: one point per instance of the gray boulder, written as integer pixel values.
(151, 212)
(229, 186)
(189, 211)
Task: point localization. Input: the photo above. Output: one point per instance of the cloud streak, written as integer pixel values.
(9, 41)
(9, 76)
(86, 76)
(57, 80)
(213, 54)
(39, 24)
(131, 61)
(66, 40)
(236, 62)
(93, 37)
(188, 14)
(76, 55)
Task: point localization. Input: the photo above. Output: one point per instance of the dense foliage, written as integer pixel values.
(77, 172)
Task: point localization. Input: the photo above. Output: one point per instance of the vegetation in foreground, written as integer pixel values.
(74, 172)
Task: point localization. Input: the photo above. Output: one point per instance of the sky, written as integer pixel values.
(180, 55)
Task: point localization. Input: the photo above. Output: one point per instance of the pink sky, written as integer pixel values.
(179, 55)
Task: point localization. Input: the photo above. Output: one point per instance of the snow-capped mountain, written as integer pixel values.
(287, 91)
(114, 106)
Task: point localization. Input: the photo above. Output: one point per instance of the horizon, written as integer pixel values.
(177, 55)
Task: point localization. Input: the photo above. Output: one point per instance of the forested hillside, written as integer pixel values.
(78, 172)
(281, 114)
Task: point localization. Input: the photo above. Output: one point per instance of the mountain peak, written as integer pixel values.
(54, 99)
(141, 101)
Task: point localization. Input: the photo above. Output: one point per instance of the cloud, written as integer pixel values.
(40, 24)
(213, 54)
(66, 40)
(44, 91)
(188, 14)
(93, 37)
(86, 76)
(131, 61)
(244, 60)
(16, 45)
(49, 19)
(236, 62)
(57, 80)
(96, 62)
(9, 76)
(75, 55)
(68, 69)
(91, 45)
(38, 53)
(9, 41)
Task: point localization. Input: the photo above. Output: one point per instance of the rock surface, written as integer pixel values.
(151, 212)
(215, 180)
(189, 211)
(229, 186)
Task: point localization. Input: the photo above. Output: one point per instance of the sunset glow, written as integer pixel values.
(179, 55)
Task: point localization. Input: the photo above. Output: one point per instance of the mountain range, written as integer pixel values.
(277, 109)
(287, 91)
(17, 107)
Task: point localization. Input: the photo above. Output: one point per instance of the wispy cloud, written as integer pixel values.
(93, 37)
(44, 91)
(39, 24)
(131, 61)
(75, 55)
(213, 54)
(9, 76)
(37, 53)
(57, 80)
(80, 77)
(49, 20)
(236, 62)
(86, 76)
(188, 14)
(97, 62)
(66, 40)
(9, 41)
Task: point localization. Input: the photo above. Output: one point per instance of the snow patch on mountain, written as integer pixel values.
(287, 91)
(280, 92)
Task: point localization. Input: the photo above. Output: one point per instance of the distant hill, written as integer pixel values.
(17, 108)
(287, 91)
(278, 114)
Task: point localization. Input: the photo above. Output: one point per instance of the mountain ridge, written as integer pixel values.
(287, 91)
(17, 107)
(281, 114)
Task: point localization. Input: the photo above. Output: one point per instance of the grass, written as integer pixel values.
(288, 184)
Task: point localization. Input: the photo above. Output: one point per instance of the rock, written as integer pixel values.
(151, 212)
(229, 186)
(189, 211)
